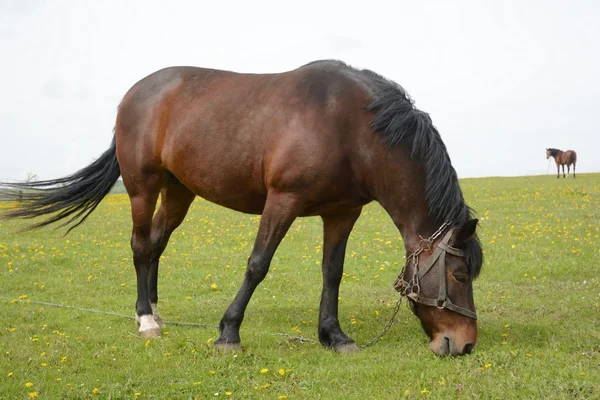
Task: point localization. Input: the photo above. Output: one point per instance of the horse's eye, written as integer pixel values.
(461, 278)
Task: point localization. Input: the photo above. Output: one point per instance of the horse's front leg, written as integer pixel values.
(280, 211)
(336, 230)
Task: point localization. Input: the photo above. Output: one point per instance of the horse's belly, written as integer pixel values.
(239, 200)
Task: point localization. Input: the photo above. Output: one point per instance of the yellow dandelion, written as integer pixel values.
(58, 379)
(264, 370)
(28, 384)
(9, 374)
(96, 391)
(213, 286)
(424, 391)
(283, 396)
(281, 371)
(137, 394)
(33, 395)
(487, 365)
(227, 393)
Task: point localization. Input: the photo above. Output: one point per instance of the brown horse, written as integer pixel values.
(322, 140)
(562, 158)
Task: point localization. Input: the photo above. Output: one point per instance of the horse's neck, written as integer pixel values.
(411, 218)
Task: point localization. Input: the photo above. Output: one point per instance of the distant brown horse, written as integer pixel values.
(324, 139)
(563, 158)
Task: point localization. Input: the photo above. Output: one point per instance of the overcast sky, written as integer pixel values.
(502, 80)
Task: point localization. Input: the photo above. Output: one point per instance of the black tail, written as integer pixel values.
(572, 158)
(79, 193)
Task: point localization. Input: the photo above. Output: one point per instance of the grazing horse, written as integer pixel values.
(563, 158)
(324, 139)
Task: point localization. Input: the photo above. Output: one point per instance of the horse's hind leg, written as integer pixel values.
(143, 193)
(574, 170)
(279, 212)
(174, 205)
(336, 230)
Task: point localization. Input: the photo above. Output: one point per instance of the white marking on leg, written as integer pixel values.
(147, 326)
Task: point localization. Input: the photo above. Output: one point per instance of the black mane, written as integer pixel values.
(553, 151)
(401, 123)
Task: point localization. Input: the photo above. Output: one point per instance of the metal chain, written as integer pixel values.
(386, 328)
(436, 233)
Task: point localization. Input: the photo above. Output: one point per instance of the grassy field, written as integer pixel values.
(538, 301)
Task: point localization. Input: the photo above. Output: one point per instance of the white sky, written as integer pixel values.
(502, 80)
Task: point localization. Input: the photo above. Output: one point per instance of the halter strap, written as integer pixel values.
(438, 256)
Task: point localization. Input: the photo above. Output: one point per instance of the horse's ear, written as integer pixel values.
(465, 232)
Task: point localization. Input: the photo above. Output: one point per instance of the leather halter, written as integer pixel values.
(412, 288)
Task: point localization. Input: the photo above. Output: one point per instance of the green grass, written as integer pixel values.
(538, 301)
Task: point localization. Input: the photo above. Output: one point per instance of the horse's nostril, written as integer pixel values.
(446, 346)
(468, 348)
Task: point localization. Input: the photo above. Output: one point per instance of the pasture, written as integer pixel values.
(537, 298)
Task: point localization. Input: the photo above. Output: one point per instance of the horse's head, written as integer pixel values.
(437, 281)
(548, 153)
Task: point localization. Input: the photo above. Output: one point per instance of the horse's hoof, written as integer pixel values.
(150, 333)
(347, 348)
(228, 347)
(147, 326)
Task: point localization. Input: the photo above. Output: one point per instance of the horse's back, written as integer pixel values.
(231, 137)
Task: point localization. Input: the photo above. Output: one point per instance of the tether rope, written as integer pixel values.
(114, 314)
